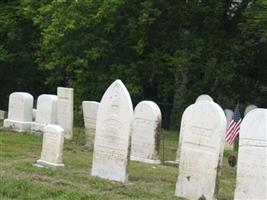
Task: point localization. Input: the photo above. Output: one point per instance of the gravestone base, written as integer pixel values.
(37, 127)
(149, 161)
(43, 163)
(17, 125)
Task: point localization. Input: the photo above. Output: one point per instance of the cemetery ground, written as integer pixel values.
(21, 180)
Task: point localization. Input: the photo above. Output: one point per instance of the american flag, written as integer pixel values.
(234, 127)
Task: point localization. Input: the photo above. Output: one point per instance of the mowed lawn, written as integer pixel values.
(21, 180)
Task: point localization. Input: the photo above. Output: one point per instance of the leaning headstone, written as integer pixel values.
(52, 149)
(2, 114)
(204, 97)
(229, 116)
(251, 181)
(65, 110)
(46, 112)
(111, 147)
(19, 112)
(146, 133)
(203, 129)
(249, 108)
(90, 109)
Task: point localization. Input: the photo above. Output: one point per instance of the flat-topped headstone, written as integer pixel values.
(90, 109)
(229, 116)
(19, 112)
(204, 97)
(111, 147)
(46, 112)
(203, 129)
(251, 179)
(249, 108)
(52, 149)
(65, 110)
(146, 133)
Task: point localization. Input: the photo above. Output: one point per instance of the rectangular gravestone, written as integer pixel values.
(146, 133)
(46, 112)
(52, 148)
(19, 112)
(111, 147)
(2, 114)
(65, 110)
(203, 128)
(251, 179)
(90, 109)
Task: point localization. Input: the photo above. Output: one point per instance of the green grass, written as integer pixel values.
(21, 180)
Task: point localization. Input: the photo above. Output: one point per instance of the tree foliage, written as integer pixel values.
(167, 51)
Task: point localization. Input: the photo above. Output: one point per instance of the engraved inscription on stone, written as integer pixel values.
(251, 179)
(111, 147)
(202, 132)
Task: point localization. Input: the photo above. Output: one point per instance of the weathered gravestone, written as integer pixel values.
(249, 108)
(146, 133)
(229, 116)
(203, 128)
(90, 109)
(204, 97)
(19, 112)
(46, 112)
(52, 149)
(251, 181)
(65, 110)
(111, 147)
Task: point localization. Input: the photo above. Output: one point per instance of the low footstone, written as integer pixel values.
(146, 133)
(203, 129)
(112, 138)
(19, 112)
(52, 149)
(65, 110)
(46, 112)
(90, 109)
(251, 179)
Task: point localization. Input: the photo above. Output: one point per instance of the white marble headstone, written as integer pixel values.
(65, 110)
(111, 147)
(46, 112)
(251, 181)
(204, 97)
(249, 108)
(90, 109)
(19, 112)
(203, 129)
(229, 116)
(146, 133)
(52, 149)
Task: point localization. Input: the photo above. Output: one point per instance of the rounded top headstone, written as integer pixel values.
(254, 125)
(250, 108)
(24, 95)
(204, 97)
(143, 107)
(53, 128)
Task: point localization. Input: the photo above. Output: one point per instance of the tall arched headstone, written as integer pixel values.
(46, 112)
(203, 129)
(249, 108)
(65, 110)
(111, 147)
(90, 109)
(146, 133)
(229, 116)
(251, 180)
(19, 112)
